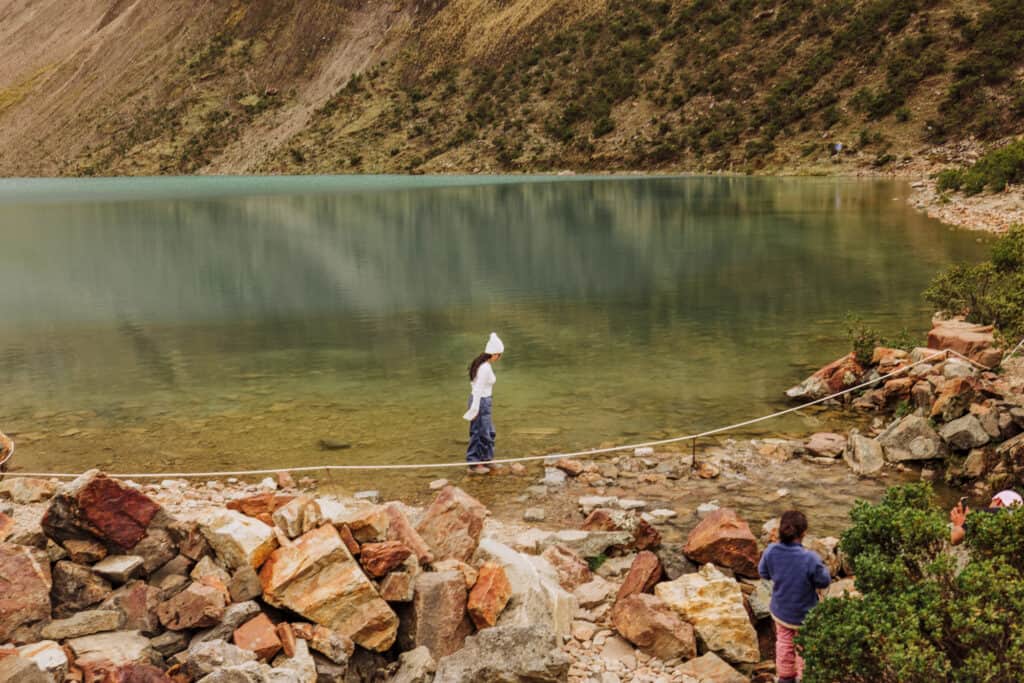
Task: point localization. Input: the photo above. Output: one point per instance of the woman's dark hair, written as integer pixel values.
(475, 365)
(792, 526)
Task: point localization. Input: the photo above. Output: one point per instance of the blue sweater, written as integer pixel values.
(796, 573)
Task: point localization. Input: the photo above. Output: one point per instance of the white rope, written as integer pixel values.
(1015, 350)
(505, 461)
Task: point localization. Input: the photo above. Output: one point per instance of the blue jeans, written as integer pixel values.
(481, 434)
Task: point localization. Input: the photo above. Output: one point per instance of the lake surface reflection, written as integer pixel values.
(206, 323)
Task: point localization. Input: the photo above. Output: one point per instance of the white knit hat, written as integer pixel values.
(494, 345)
(1009, 498)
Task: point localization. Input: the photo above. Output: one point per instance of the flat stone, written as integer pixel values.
(711, 667)
(594, 593)
(170, 642)
(116, 647)
(590, 503)
(826, 445)
(534, 515)
(119, 569)
(82, 624)
(554, 477)
(588, 543)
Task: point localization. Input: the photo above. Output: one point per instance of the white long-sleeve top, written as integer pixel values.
(481, 387)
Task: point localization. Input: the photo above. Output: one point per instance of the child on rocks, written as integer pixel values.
(797, 573)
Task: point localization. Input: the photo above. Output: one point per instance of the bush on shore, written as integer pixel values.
(920, 618)
(995, 170)
(989, 293)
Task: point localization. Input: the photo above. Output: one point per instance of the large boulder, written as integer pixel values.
(489, 595)
(912, 438)
(965, 433)
(864, 456)
(452, 524)
(96, 506)
(838, 375)
(647, 622)
(436, 618)
(507, 654)
(25, 584)
(724, 539)
(537, 597)
(713, 603)
(972, 340)
(318, 578)
(239, 539)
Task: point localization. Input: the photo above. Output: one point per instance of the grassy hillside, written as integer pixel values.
(536, 85)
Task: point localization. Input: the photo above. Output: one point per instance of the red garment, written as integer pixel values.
(788, 662)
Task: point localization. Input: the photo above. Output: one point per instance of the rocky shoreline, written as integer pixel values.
(994, 213)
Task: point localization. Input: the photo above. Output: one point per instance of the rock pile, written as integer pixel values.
(947, 413)
(109, 587)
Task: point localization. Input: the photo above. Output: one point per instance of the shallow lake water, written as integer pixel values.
(228, 323)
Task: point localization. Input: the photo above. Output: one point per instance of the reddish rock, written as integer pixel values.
(826, 445)
(972, 340)
(724, 539)
(489, 596)
(348, 539)
(318, 578)
(436, 618)
(572, 570)
(398, 587)
(887, 356)
(642, 575)
(138, 603)
(954, 399)
(654, 627)
(85, 551)
(645, 536)
(6, 526)
(25, 584)
(191, 542)
(198, 606)
(571, 467)
(96, 506)
(261, 506)
(380, 558)
(399, 529)
(258, 635)
(452, 524)
(303, 630)
(286, 635)
(285, 480)
(898, 388)
(137, 673)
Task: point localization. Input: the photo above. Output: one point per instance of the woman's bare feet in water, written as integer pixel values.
(479, 469)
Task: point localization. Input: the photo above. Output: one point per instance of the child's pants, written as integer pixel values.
(788, 662)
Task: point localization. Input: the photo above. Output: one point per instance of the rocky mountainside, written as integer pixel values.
(111, 87)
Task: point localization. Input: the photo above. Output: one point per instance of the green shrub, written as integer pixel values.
(863, 338)
(990, 293)
(919, 619)
(995, 170)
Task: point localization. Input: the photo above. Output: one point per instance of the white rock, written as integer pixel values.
(239, 539)
(49, 657)
(705, 509)
(630, 504)
(268, 484)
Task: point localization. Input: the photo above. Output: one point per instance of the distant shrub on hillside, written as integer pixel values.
(994, 171)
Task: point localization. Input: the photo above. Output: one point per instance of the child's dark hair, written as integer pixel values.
(792, 526)
(475, 365)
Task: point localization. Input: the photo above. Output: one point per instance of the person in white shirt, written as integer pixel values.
(481, 425)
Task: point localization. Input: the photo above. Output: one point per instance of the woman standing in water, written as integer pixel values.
(481, 426)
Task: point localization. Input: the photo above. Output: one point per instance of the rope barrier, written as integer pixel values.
(506, 461)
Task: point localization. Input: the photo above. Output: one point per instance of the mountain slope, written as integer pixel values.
(308, 86)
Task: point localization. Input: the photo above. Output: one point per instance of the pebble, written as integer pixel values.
(631, 504)
(268, 484)
(663, 515)
(643, 451)
(554, 476)
(705, 509)
(438, 484)
(534, 515)
(371, 496)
